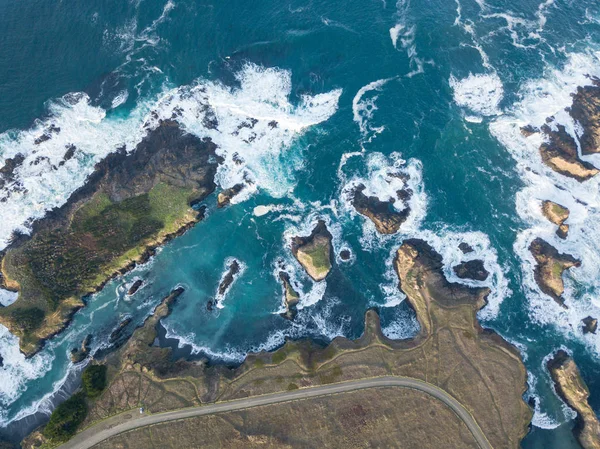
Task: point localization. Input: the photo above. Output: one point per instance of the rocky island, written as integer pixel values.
(557, 214)
(386, 218)
(471, 269)
(573, 390)
(451, 351)
(132, 203)
(550, 267)
(290, 296)
(315, 252)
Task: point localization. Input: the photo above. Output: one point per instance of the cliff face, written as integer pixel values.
(573, 390)
(130, 204)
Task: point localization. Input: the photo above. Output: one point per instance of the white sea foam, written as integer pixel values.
(364, 106)
(540, 419)
(404, 33)
(253, 125)
(480, 94)
(540, 99)
(7, 297)
(403, 326)
(44, 180)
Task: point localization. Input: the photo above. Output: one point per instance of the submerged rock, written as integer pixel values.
(590, 325)
(572, 389)
(465, 248)
(315, 251)
(550, 267)
(386, 218)
(224, 197)
(291, 296)
(80, 354)
(472, 269)
(135, 287)
(7, 171)
(557, 214)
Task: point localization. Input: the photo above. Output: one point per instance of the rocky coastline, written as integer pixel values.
(131, 204)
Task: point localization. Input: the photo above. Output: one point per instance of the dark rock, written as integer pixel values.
(7, 172)
(117, 334)
(234, 268)
(465, 248)
(472, 269)
(135, 287)
(345, 254)
(529, 130)
(80, 354)
(590, 325)
(386, 218)
(291, 296)
(224, 197)
(586, 111)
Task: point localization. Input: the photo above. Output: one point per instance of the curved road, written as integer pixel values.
(132, 420)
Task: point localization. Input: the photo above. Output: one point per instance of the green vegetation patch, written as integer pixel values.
(94, 380)
(66, 418)
(319, 255)
(28, 319)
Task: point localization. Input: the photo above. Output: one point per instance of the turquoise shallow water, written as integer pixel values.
(385, 80)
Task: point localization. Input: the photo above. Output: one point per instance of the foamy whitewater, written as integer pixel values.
(305, 103)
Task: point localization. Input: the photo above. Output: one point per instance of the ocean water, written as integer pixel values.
(435, 89)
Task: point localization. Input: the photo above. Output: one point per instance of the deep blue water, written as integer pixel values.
(357, 86)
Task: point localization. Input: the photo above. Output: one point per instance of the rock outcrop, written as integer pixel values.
(586, 110)
(386, 218)
(590, 325)
(557, 214)
(550, 267)
(224, 197)
(573, 390)
(290, 295)
(135, 287)
(472, 269)
(80, 354)
(465, 248)
(560, 154)
(315, 251)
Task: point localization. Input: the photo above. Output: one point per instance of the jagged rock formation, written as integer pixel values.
(590, 325)
(573, 390)
(465, 248)
(386, 218)
(557, 214)
(586, 110)
(550, 267)
(80, 354)
(315, 251)
(472, 269)
(224, 197)
(135, 287)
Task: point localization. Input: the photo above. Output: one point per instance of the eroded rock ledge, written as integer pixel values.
(315, 252)
(131, 204)
(573, 390)
(550, 267)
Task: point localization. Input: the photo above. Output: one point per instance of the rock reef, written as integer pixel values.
(290, 295)
(225, 197)
(80, 354)
(131, 204)
(571, 387)
(550, 267)
(586, 110)
(557, 214)
(590, 325)
(135, 287)
(386, 218)
(315, 252)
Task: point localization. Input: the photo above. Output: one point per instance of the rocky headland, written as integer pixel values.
(386, 218)
(131, 204)
(557, 214)
(572, 389)
(550, 267)
(315, 252)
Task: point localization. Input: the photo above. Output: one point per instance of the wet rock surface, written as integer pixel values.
(224, 198)
(557, 214)
(386, 218)
(590, 325)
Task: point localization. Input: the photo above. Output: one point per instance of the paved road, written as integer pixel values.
(133, 420)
